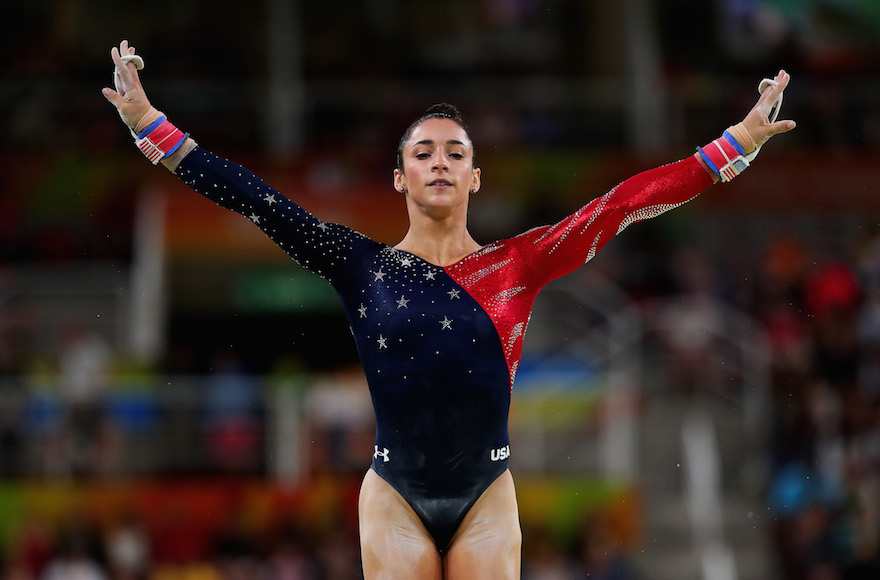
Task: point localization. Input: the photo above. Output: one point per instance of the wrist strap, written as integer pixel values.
(150, 127)
(725, 156)
(159, 140)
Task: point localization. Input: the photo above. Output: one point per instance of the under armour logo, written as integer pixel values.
(383, 454)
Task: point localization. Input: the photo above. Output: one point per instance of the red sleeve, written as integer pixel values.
(553, 251)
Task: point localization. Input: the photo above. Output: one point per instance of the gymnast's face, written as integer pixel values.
(438, 175)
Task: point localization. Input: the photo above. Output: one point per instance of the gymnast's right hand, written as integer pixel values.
(129, 97)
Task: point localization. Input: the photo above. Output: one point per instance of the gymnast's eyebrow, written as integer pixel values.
(431, 142)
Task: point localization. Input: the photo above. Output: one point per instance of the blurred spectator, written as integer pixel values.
(234, 550)
(127, 545)
(78, 553)
(200, 570)
(690, 325)
(801, 500)
(177, 539)
(74, 562)
(832, 297)
(289, 558)
(32, 547)
(339, 554)
(543, 559)
(12, 433)
(232, 421)
(341, 421)
(84, 362)
(87, 436)
(602, 554)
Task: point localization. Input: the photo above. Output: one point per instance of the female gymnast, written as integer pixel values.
(438, 319)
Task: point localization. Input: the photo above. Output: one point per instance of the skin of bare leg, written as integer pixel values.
(394, 543)
(488, 545)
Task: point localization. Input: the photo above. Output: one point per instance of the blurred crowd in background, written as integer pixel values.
(564, 98)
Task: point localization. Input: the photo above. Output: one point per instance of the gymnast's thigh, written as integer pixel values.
(488, 544)
(394, 542)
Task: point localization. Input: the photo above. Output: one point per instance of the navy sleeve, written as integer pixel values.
(323, 248)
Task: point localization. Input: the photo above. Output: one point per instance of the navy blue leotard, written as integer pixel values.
(440, 345)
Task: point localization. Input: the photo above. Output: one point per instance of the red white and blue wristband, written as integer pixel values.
(725, 156)
(159, 140)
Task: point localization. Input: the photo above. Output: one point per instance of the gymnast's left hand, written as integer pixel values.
(128, 97)
(758, 122)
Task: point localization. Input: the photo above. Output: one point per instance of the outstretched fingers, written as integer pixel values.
(771, 98)
(125, 75)
(112, 96)
(780, 127)
(758, 121)
(128, 97)
(117, 69)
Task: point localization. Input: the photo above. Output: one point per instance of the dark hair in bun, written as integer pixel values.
(437, 111)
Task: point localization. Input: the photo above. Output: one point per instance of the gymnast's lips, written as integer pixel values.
(440, 182)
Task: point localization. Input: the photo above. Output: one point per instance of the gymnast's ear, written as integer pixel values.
(399, 181)
(476, 181)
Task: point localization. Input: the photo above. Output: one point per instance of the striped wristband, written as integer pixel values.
(159, 140)
(725, 156)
